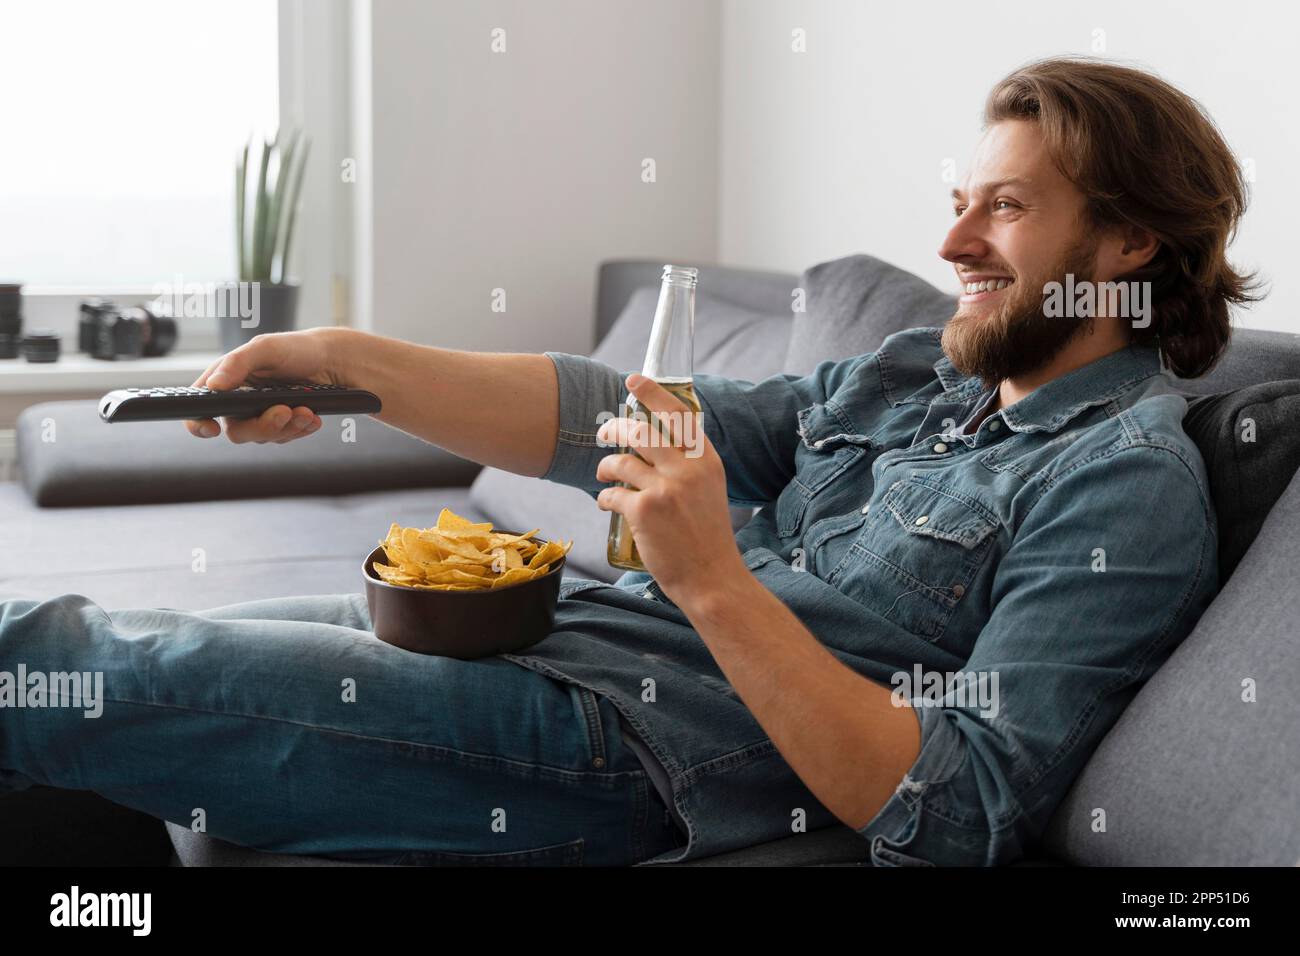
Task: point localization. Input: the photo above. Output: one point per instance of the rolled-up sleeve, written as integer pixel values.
(752, 425)
(1105, 576)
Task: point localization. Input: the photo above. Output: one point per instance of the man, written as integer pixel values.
(972, 547)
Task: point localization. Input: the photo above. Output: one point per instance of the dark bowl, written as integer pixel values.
(462, 624)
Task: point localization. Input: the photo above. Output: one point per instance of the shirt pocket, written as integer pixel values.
(829, 445)
(917, 555)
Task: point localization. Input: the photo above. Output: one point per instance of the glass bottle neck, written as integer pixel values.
(669, 354)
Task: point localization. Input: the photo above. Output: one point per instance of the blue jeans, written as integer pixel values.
(285, 725)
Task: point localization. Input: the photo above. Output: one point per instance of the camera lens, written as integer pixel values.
(11, 308)
(41, 345)
(162, 336)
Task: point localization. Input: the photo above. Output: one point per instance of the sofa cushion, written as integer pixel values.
(730, 339)
(1254, 356)
(1201, 769)
(854, 304)
(69, 457)
(145, 555)
(1251, 449)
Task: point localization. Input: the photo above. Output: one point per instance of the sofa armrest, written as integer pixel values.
(68, 456)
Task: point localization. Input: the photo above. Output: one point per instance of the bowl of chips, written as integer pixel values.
(463, 589)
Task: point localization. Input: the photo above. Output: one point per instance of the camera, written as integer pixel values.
(106, 331)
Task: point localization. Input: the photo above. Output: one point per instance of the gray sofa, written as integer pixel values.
(1194, 773)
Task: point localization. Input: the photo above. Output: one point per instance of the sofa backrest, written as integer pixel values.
(1253, 356)
(617, 279)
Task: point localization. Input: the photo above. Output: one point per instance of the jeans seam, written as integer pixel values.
(594, 727)
(561, 773)
(640, 817)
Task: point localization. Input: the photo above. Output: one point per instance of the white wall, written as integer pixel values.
(522, 170)
(840, 149)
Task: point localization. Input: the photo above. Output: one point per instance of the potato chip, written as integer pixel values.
(393, 575)
(460, 555)
(448, 520)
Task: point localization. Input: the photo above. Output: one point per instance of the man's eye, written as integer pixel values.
(1003, 202)
(958, 210)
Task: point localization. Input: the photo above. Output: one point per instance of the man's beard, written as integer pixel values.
(1016, 338)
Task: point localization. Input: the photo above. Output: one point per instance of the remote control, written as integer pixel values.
(246, 401)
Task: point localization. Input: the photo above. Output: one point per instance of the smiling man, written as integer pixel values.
(972, 547)
(1054, 548)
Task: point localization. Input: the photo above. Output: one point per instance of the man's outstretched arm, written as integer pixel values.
(496, 408)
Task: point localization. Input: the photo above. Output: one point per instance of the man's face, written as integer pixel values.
(1018, 227)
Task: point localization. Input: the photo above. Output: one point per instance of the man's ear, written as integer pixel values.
(1138, 248)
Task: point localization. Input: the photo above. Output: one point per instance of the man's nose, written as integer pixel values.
(964, 241)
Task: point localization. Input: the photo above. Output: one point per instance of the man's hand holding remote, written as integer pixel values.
(496, 408)
(303, 356)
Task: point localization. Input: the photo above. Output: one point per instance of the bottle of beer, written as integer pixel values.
(668, 358)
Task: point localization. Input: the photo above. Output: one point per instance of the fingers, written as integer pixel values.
(203, 427)
(650, 444)
(628, 468)
(278, 424)
(212, 367)
(232, 369)
(235, 368)
(615, 498)
(303, 423)
(680, 423)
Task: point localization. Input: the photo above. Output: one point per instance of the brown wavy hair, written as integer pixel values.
(1146, 154)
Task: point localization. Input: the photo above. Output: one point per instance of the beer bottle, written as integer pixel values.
(668, 358)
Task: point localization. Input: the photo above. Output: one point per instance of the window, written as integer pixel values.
(122, 123)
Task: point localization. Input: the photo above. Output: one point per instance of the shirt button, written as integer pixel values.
(941, 448)
(923, 519)
(598, 762)
(866, 507)
(994, 425)
(958, 590)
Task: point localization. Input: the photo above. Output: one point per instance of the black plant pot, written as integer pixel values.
(273, 308)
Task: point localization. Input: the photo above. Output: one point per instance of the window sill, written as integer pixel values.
(77, 372)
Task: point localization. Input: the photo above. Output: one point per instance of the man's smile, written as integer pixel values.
(981, 287)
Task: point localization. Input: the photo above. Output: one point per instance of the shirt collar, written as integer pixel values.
(1050, 406)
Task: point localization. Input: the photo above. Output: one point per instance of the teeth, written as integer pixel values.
(987, 285)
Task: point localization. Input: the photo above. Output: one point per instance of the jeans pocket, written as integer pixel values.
(886, 853)
(557, 854)
(587, 703)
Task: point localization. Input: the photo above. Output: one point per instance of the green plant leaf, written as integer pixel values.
(296, 188)
(261, 271)
(241, 241)
(284, 169)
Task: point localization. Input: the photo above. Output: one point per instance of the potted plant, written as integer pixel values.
(264, 222)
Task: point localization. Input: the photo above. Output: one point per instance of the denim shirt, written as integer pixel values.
(1026, 579)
